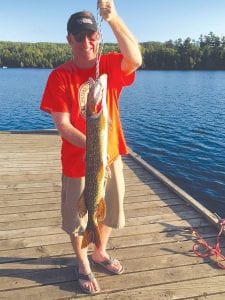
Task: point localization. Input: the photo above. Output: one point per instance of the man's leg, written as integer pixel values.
(100, 254)
(114, 196)
(83, 262)
(74, 225)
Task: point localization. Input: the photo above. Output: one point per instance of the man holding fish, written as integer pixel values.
(85, 111)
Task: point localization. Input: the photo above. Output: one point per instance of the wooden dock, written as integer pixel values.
(37, 260)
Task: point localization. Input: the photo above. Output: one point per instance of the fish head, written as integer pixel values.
(94, 98)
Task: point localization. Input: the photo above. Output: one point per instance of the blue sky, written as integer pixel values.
(149, 20)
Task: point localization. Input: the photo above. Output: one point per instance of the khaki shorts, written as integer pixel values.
(72, 189)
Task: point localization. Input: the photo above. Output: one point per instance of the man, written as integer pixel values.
(65, 98)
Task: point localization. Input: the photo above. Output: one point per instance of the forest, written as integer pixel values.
(206, 53)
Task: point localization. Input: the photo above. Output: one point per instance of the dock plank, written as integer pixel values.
(155, 246)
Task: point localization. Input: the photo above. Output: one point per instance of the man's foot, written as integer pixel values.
(110, 264)
(87, 283)
(86, 279)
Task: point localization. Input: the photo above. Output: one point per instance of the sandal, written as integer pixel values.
(107, 263)
(90, 277)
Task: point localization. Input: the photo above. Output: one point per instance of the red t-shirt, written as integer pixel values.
(66, 91)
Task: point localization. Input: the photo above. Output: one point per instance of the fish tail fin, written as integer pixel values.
(91, 235)
(101, 210)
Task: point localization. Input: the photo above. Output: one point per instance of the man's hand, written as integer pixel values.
(107, 9)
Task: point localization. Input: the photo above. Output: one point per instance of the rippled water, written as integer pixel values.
(20, 94)
(174, 119)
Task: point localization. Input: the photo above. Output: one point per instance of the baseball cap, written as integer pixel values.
(81, 21)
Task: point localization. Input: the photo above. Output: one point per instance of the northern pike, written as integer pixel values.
(96, 159)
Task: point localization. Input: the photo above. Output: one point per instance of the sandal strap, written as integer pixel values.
(88, 277)
(109, 261)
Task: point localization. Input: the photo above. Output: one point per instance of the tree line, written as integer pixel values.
(207, 53)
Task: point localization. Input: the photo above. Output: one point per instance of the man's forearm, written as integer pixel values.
(67, 130)
(73, 135)
(127, 43)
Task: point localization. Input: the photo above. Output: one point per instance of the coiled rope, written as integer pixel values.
(202, 249)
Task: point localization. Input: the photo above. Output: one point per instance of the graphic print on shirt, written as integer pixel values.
(82, 97)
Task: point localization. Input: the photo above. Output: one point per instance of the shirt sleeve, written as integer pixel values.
(55, 97)
(118, 77)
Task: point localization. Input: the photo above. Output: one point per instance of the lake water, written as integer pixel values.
(174, 119)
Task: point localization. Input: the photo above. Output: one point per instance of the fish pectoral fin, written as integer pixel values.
(91, 235)
(101, 210)
(82, 208)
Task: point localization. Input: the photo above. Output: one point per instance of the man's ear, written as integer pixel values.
(68, 38)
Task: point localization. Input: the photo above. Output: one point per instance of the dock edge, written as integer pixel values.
(213, 218)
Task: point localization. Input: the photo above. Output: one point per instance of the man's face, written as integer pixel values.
(84, 45)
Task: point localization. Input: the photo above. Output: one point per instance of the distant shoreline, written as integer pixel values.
(207, 53)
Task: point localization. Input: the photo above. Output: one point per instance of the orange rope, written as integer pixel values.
(207, 250)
